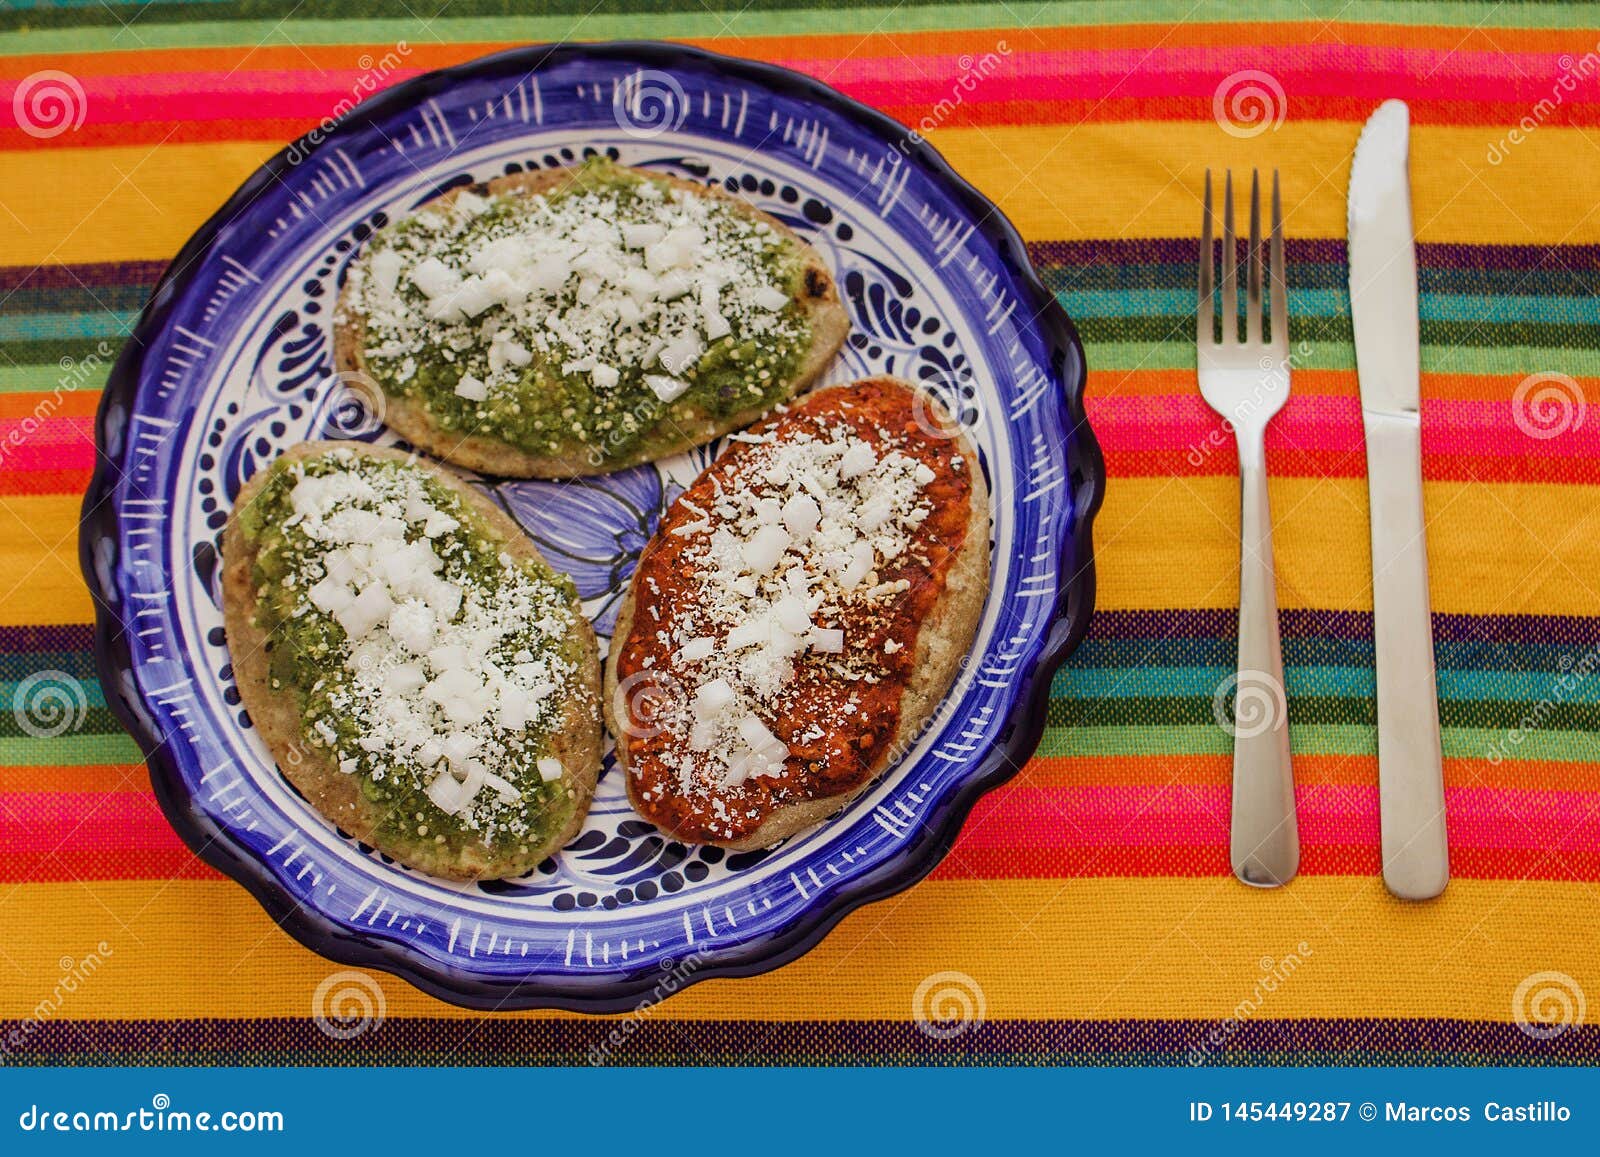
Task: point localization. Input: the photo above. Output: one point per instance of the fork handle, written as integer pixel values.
(1265, 839)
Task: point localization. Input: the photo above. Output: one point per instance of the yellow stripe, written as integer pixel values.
(1073, 948)
(39, 577)
(1054, 181)
(1145, 179)
(1494, 548)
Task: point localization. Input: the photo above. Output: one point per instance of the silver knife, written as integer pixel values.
(1383, 308)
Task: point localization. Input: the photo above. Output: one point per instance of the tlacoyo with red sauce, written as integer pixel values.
(799, 614)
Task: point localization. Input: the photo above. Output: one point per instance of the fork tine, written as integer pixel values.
(1280, 291)
(1230, 269)
(1252, 257)
(1202, 324)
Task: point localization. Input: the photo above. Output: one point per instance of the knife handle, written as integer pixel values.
(1264, 842)
(1416, 855)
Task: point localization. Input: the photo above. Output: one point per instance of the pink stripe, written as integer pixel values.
(61, 823)
(1197, 816)
(28, 444)
(1330, 424)
(1314, 70)
(1310, 70)
(210, 96)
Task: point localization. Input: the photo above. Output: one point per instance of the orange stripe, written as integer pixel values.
(89, 777)
(73, 404)
(16, 484)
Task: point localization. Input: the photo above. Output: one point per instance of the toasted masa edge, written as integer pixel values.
(829, 321)
(943, 640)
(576, 739)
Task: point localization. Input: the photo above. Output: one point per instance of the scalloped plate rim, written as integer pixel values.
(618, 991)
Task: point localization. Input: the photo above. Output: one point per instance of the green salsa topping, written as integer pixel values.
(583, 321)
(416, 648)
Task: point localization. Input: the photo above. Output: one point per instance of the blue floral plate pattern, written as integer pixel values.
(231, 363)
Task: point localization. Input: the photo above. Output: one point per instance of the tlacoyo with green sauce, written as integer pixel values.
(419, 672)
(575, 321)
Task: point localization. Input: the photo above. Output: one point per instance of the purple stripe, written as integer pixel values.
(1526, 630)
(1131, 251)
(1315, 251)
(431, 1040)
(91, 276)
(72, 637)
(1164, 251)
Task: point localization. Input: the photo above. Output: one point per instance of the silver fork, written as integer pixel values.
(1247, 383)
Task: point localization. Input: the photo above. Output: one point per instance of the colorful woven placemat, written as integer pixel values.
(1086, 914)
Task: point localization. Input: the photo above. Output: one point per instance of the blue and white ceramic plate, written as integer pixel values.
(231, 363)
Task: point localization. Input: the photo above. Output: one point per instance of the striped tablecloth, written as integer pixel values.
(1087, 913)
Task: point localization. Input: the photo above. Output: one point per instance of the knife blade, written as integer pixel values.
(1383, 308)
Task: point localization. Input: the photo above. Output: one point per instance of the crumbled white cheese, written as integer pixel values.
(607, 282)
(782, 562)
(431, 687)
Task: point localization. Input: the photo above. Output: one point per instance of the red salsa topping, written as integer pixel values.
(777, 609)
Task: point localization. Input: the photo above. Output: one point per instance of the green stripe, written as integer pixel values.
(259, 22)
(1539, 666)
(127, 297)
(43, 379)
(1208, 739)
(1538, 285)
(1330, 306)
(1076, 682)
(1312, 739)
(47, 355)
(1177, 353)
(1325, 330)
(1128, 344)
(74, 749)
(1180, 710)
(92, 721)
(1443, 288)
